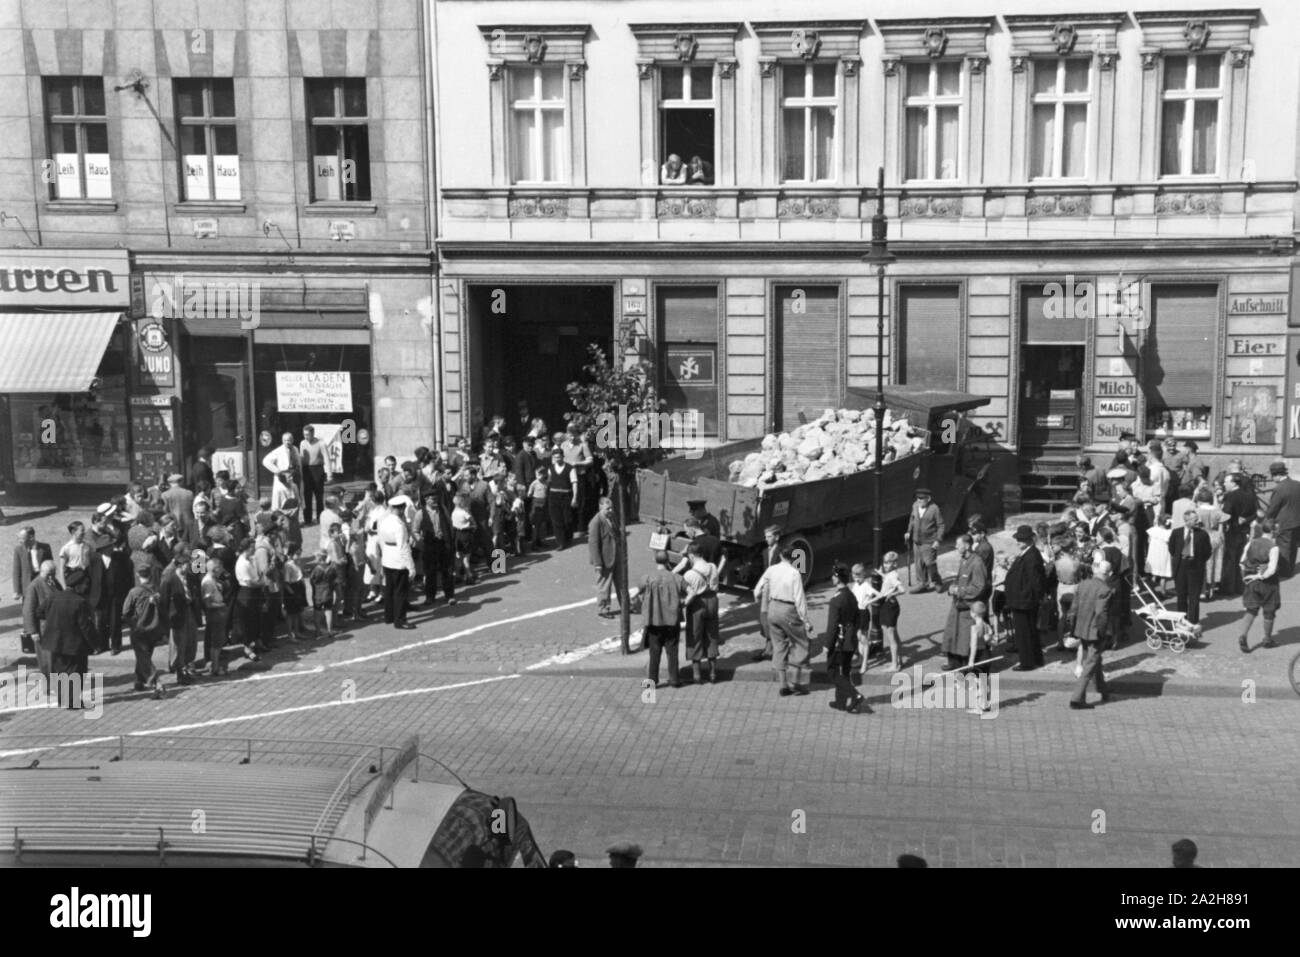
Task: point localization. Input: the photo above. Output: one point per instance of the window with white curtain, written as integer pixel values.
(537, 125)
(1189, 124)
(809, 98)
(933, 121)
(1059, 121)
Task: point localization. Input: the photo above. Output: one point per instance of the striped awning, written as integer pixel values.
(52, 351)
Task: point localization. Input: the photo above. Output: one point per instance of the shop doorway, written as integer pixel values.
(1051, 395)
(527, 343)
(216, 408)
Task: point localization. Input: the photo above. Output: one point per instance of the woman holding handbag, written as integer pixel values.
(841, 640)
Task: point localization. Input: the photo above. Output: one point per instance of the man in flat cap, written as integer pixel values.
(1025, 582)
(68, 634)
(924, 533)
(700, 512)
(624, 854)
(1284, 510)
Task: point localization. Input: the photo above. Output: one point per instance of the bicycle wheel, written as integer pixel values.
(1294, 673)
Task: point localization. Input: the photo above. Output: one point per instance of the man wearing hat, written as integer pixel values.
(179, 502)
(43, 584)
(1284, 510)
(1024, 586)
(624, 854)
(112, 555)
(181, 603)
(1127, 446)
(397, 561)
(924, 533)
(700, 512)
(68, 632)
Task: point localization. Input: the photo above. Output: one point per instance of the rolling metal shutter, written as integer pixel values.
(929, 329)
(1178, 361)
(807, 351)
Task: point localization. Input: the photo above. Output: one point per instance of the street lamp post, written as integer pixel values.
(880, 257)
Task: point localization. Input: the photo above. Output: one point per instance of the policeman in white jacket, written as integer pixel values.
(397, 561)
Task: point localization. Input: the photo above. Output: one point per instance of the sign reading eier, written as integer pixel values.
(314, 391)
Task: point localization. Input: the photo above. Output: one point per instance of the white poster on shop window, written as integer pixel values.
(225, 177)
(313, 391)
(99, 179)
(66, 179)
(325, 169)
(196, 176)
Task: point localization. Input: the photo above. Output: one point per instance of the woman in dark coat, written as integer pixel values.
(842, 641)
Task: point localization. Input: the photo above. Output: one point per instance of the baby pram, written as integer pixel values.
(1163, 627)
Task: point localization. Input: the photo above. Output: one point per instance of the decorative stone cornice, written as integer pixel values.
(685, 42)
(851, 65)
(809, 39)
(542, 43)
(808, 207)
(1078, 34)
(1195, 30)
(1189, 204)
(935, 37)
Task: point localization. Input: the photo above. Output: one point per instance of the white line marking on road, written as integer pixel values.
(297, 709)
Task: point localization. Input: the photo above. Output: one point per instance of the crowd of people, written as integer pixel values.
(199, 554)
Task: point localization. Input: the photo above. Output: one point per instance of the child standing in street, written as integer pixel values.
(981, 633)
(295, 591)
(216, 612)
(322, 594)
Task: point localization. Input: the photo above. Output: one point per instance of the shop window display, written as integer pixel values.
(75, 437)
(1185, 423)
(337, 405)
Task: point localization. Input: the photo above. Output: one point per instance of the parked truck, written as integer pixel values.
(818, 515)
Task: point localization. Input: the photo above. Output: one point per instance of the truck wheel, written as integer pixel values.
(802, 558)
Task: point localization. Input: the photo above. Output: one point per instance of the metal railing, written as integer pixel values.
(136, 840)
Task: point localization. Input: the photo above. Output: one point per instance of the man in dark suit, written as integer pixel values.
(771, 556)
(1239, 505)
(201, 468)
(661, 614)
(924, 534)
(68, 634)
(1189, 550)
(28, 555)
(182, 609)
(1026, 579)
(1284, 510)
(602, 547)
(38, 590)
(1093, 617)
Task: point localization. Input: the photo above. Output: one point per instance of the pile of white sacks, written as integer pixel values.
(840, 442)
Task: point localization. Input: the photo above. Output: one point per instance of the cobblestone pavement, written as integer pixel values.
(514, 689)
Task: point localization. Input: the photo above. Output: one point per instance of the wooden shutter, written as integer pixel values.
(807, 352)
(929, 328)
(1178, 361)
(688, 333)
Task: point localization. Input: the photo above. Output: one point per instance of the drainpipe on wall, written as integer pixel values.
(428, 92)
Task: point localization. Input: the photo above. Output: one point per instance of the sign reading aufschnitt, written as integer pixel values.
(313, 391)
